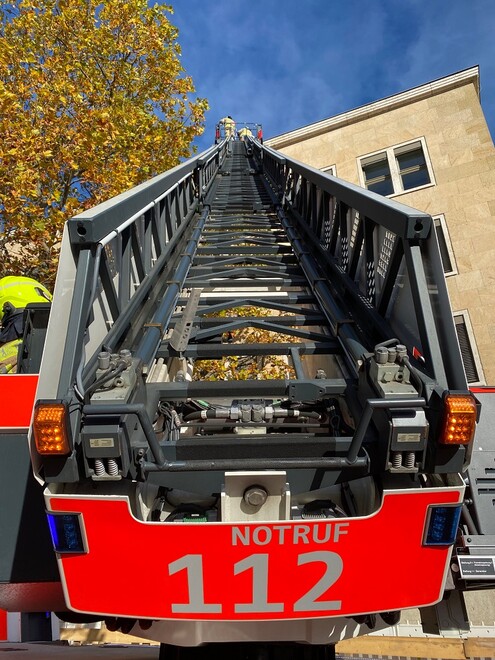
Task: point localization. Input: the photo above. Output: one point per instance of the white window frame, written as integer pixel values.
(440, 218)
(330, 169)
(391, 155)
(464, 314)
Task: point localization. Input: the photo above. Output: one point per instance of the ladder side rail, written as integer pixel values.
(110, 260)
(208, 165)
(337, 218)
(403, 220)
(431, 348)
(147, 293)
(153, 332)
(419, 315)
(340, 231)
(97, 321)
(449, 340)
(273, 164)
(95, 224)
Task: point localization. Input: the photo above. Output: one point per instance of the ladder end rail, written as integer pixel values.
(363, 238)
(405, 221)
(95, 224)
(110, 257)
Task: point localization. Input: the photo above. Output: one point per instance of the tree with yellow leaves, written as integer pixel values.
(93, 100)
(247, 367)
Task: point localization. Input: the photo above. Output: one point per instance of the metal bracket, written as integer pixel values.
(182, 331)
(315, 390)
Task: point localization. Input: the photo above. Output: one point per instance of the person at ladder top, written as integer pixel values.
(244, 132)
(228, 126)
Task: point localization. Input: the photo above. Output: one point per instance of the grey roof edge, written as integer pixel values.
(377, 107)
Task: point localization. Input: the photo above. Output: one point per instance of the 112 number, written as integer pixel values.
(259, 565)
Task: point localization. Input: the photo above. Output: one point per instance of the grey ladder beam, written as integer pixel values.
(244, 250)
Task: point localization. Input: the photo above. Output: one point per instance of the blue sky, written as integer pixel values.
(288, 63)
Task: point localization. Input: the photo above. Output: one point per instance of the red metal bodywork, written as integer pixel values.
(17, 393)
(154, 568)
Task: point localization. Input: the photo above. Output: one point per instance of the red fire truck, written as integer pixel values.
(191, 505)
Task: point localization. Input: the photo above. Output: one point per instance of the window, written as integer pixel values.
(412, 167)
(397, 169)
(377, 175)
(330, 169)
(470, 357)
(446, 251)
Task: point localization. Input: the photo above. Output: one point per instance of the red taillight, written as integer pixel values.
(460, 419)
(50, 429)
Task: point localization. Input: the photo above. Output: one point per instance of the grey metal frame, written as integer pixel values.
(343, 222)
(361, 267)
(120, 249)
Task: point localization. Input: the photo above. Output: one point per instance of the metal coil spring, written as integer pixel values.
(99, 467)
(113, 468)
(409, 460)
(397, 460)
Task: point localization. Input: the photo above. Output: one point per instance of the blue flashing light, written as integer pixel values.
(65, 529)
(442, 525)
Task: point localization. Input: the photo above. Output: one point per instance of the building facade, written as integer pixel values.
(430, 148)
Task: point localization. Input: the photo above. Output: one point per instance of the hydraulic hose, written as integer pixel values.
(226, 413)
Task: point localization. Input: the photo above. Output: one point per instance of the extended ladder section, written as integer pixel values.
(268, 267)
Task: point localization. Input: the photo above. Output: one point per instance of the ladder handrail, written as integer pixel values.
(368, 241)
(121, 248)
(93, 225)
(403, 220)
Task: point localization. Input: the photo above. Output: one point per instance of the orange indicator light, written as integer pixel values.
(50, 429)
(460, 420)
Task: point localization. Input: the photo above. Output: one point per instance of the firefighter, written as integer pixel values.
(15, 294)
(228, 126)
(244, 132)
(8, 356)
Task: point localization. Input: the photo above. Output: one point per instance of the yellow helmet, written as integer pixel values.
(17, 292)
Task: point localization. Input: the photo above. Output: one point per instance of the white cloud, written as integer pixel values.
(288, 64)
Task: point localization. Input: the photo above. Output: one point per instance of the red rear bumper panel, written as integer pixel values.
(252, 571)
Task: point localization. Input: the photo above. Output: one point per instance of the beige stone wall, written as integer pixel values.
(463, 161)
